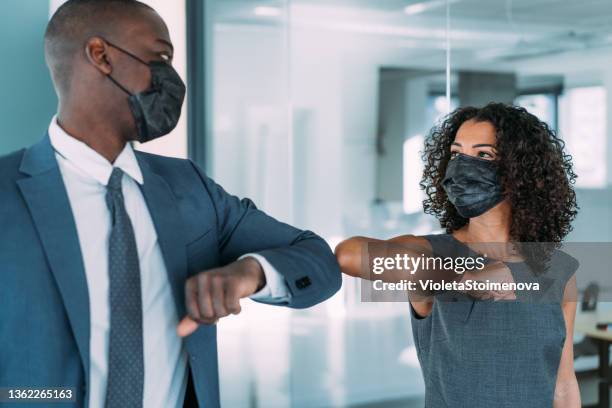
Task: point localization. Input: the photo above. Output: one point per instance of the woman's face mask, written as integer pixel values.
(157, 109)
(472, 185)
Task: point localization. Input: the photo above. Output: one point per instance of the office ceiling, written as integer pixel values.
(493, 29)
(557, 12)
(554, 12)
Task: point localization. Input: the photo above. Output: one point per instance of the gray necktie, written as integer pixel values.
(125, 351)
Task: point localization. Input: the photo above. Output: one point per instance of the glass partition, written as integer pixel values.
(319, 112)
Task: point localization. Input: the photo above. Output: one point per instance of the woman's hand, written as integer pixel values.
(497, 272)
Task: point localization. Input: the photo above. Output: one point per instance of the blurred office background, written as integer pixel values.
(317, 109)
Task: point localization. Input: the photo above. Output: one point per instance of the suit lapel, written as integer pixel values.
(47, 200)
(169, 227)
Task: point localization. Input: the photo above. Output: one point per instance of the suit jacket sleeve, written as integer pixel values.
(304, 259)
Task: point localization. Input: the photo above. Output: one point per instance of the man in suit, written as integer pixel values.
(104, 250)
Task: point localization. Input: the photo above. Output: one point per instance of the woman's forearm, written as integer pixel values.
(567, 393)
(357, 254)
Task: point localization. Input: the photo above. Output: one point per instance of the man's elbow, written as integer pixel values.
(331, 278)
(332, 274)
(334, 278)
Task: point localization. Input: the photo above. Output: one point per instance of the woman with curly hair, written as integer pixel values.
(497, 178)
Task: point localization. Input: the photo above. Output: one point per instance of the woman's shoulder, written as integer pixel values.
(563, 264)
(560, 257)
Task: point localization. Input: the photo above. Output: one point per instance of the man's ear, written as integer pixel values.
(96, 50)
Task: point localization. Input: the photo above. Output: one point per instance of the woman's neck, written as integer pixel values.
(492, 226)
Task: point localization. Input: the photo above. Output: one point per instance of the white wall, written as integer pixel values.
(335, 124)
(252, 137)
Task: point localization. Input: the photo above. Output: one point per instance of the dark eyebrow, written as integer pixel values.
(475, 145)
(168, 43)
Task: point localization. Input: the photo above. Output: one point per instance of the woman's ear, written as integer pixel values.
(96, 50)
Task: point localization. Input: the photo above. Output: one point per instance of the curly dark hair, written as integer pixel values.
(534, 171)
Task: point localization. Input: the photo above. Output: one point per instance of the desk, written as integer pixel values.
(586, 323)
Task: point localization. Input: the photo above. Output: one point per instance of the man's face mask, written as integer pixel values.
(472, 185)
(157, 109)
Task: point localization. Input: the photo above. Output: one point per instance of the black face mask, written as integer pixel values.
(472, 185)
(157, 109)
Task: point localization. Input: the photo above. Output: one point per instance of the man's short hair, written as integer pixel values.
(73, 24)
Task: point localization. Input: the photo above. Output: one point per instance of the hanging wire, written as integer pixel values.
(290, 115)
(448, 54)
(509, 6)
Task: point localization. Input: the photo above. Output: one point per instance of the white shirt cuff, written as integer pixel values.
(275, 289)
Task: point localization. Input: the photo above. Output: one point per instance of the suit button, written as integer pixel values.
(303, 282)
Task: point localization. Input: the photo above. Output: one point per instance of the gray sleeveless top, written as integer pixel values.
(490, 354)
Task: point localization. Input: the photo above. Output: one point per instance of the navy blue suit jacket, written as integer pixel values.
(44, 305)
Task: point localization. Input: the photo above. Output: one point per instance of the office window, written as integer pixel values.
(435, 111)
(437, 108)
(542, 105)
(582, 124)
(413, 170)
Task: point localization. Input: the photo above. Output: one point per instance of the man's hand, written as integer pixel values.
(495, 272)
(216, 293)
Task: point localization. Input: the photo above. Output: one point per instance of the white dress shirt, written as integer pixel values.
(85, 174)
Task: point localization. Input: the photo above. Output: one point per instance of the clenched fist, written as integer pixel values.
(497, 272)
(216, 293)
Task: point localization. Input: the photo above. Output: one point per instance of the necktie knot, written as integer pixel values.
(114, 182)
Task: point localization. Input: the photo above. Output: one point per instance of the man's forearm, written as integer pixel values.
(309, 268)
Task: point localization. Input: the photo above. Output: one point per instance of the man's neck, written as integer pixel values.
(98, 135)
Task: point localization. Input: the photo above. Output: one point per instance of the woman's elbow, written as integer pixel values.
(348, 256)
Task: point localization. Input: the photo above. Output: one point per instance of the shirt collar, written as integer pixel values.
(88, 160)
